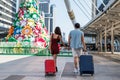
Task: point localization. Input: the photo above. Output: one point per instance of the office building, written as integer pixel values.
(52, 21)
(101, 5)
(7, 15)
(44, 7)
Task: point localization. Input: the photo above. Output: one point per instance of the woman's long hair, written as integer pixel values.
(58, 31)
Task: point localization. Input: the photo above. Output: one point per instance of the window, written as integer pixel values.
(6, 5)
(1, 8)
(12, 3)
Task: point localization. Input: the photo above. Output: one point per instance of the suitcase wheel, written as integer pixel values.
(47, 74)
(54, 74)
(80, 74)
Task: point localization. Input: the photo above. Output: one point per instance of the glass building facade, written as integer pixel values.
(100, 5)
(7, 12)
(44, 6)
(7, 16)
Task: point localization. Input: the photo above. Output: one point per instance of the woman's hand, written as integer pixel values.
(49, 48)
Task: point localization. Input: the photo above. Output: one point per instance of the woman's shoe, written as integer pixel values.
(56, 69)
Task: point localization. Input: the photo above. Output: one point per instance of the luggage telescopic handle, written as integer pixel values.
(85, 52)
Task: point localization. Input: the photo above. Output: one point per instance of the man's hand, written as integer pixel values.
(84, 50)
(49, 48)
(69, 48)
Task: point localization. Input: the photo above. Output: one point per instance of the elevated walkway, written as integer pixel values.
(106, 26)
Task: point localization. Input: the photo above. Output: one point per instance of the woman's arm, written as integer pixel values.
(61, 40)
(50, 42)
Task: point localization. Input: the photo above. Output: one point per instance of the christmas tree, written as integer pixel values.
(29, 26)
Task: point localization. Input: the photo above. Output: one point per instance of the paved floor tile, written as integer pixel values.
(32, 68)
(15, 77)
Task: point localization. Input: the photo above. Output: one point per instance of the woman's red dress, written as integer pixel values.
(55, 47)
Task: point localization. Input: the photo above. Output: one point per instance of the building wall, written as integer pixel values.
(7, 12)
(44, 7)
(100, 5)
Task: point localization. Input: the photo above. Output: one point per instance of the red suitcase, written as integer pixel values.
(50, 67)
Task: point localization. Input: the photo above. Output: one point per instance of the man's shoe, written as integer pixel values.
(75, 70)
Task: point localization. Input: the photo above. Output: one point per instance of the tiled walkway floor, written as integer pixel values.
(32, 68)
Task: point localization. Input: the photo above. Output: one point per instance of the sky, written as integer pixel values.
(62, 19)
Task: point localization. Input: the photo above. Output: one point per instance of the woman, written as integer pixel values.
(54, 45)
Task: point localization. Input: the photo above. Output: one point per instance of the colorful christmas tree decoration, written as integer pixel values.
(32, 10)
(17, 30)
(11, 30)
(27, 30)
(31, 22)
(18, 48)
(28, 27)
(20, 37)
(23, 22)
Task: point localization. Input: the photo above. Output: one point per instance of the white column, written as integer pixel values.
(54, 17)
(93, 8)
(97, 40)
(70, 11)
(101, 41)
(49, 21)
(105, 40)
(17, 5)
(112, 38)
(49, 26)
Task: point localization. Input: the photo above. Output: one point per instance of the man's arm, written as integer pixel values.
(83, 42)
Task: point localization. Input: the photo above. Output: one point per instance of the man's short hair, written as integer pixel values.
(77, 25)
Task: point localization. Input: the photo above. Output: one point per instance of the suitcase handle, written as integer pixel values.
(85, 53)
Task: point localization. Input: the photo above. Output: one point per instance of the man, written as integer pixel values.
(77, 44)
